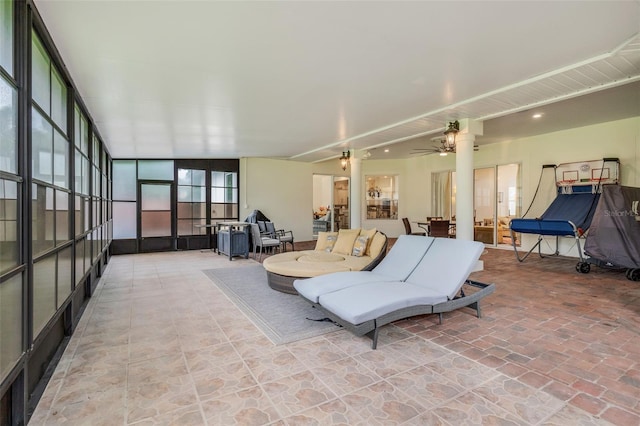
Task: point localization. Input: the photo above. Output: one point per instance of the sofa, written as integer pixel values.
(345, 250)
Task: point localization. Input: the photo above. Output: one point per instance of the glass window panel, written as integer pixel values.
(87, 254)
(95, 239)
(184, 210)
(381, 197)
(77, 180)
(231, 195)
(199, 193)
(185, 227)
(199, 210)
(10, 323)
(64, 275)
(85, 175)
(95, 150)
(43, 218)
(184, 177)
(60, 160)
(9, 255)
(44, 292)
(155, 169)
(76, 127)
(79, 260)
(156, 224)
(231, 179)
(40, 75)
(217, 179)
(198, 177)
(62, 217)
(124, 220)
(84, 136)
(87, 224)
(124, 180)
(217, 195)
(42, 155)
(184, 194)
(97, 182)
(156, 197)
(224, 211)
(95, 212)
(231, 210)
(6, 38)
(79, 215)
(8, 129)
(58, 100)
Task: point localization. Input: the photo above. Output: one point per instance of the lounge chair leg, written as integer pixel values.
(440, 318)
(374, 342)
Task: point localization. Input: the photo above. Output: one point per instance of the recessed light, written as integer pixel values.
(386, 150)
(537, 115)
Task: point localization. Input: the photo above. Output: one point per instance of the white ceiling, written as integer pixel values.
(305, 79)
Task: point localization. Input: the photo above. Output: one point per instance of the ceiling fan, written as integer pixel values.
(443, 149)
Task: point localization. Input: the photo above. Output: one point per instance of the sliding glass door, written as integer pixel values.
(484, 203)
(496, 196)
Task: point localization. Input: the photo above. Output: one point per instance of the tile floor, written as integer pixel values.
(160, 344)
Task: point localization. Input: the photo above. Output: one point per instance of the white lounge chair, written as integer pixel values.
(418, 278)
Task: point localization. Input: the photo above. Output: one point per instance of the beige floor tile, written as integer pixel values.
(160, 344)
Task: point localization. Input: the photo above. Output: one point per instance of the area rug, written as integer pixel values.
(281, 317)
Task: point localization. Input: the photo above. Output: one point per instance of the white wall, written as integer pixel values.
(283, 189)
(322, 189)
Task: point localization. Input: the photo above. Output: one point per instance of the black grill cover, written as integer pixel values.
(255, 216)
(614, 235)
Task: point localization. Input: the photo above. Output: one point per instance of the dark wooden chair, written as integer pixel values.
(407, 228)
(439, 228)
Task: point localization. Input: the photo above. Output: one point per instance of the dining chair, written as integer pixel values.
(407, 228)
(439, 228)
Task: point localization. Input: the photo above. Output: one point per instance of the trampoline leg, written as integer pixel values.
(515, 249)
(579, 249)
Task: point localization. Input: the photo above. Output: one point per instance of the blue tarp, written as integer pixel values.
(557, 219)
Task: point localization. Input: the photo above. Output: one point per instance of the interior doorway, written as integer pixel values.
(331, 203)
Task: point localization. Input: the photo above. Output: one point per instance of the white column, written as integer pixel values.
(355, 199)
(464, 185)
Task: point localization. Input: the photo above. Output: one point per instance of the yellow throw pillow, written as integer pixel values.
(322, 243)
(369, 233)
(360, 246)
(376, 245)
(346, 238)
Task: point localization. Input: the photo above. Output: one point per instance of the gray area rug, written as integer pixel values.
(281, 317)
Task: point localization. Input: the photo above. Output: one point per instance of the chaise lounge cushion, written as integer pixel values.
(437, 278)
(397, 265)
(447, 265)
(368, 301)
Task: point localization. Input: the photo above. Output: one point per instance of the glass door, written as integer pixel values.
(330, 203)
(509, 204)
(484, 202)
(341, 214)
(155, 215)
